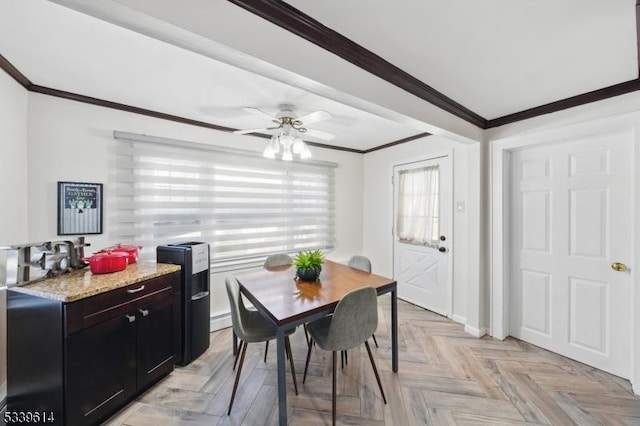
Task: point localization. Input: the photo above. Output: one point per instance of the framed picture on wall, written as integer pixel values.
(79, 208)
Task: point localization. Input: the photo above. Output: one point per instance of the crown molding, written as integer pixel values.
(583, 99)
(14, 73)
(293, 20)
(123, 107)
(398, 142)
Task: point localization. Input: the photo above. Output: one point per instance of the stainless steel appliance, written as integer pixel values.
(195, 297)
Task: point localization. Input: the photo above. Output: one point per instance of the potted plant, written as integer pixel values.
(308, 264)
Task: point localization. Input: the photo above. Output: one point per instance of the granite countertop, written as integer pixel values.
(80, 284)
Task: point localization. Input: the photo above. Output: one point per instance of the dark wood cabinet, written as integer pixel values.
(100, 365)
(113, 346)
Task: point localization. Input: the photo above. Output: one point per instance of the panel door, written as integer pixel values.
(423, 271)
(156, 348)
(571, 217)
(100, 369)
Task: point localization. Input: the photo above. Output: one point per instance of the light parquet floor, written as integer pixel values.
(446, 377)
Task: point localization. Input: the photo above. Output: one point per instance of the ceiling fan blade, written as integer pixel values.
(320, 134)
(315, 117)
(259, 113)
(244, 132)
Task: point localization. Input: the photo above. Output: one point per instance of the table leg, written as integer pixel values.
(394, 330)
(282, 384)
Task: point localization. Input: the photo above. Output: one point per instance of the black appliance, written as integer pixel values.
(195, 298)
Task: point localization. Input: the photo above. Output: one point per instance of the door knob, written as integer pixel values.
(619, 267)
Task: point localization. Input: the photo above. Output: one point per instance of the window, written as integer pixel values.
(245, 206)
(418, 206)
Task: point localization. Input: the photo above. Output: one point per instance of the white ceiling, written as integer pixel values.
(205, 60)
(495, 57)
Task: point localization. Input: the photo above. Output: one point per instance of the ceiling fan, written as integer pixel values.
(286, 137)
(286, 116)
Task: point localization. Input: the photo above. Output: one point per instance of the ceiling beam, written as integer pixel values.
(291, 19)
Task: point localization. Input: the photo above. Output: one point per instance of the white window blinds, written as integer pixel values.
(419, 206)
(245, 206)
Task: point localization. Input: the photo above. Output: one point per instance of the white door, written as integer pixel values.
(422, 240)
(571, 217)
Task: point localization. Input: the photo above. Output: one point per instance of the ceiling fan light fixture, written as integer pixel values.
(286, 139)
(273, 147)
(286, 155)
(269, 152)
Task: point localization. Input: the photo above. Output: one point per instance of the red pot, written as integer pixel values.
(132, 251)
(107, 262)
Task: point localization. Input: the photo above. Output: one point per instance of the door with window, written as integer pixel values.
(422, 233)
(571, 237)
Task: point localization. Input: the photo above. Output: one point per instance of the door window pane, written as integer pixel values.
(419, 206)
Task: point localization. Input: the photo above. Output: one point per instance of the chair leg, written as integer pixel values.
(306, 364)
(238, 355)
(266, 349)
(333, 400)
(375, 370)
(287, 345)
(235, 384)
(306, 335)
(342, 360)
(374, 340)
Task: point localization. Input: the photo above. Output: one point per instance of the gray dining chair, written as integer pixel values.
(273, 261)
(251, 326)
(277, 260)
(364, 264)
(353, 321)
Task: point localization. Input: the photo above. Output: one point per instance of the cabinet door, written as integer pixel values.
(156, 349)
(100, 369)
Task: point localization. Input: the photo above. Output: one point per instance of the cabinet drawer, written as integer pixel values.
(92, 310)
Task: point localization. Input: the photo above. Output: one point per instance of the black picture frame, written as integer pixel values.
(79, 208)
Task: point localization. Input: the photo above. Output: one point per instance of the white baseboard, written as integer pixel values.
(219, 322)
(459, 319)
(477, 332)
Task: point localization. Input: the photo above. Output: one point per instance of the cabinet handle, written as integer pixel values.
(144, 312)
(131, 318)
(135, 290)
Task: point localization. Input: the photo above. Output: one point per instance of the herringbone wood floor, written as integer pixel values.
(446, 377)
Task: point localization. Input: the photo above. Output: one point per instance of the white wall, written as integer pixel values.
(72, 141)
(378, 212)
(13, 161)
(13, 191)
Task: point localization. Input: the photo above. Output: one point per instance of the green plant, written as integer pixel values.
(312, 259)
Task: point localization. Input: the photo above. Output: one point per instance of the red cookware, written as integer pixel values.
(132, 251)
(107, 262)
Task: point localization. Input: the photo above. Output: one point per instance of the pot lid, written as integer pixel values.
(107, 255)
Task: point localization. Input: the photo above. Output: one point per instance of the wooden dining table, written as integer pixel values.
(288, 303)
